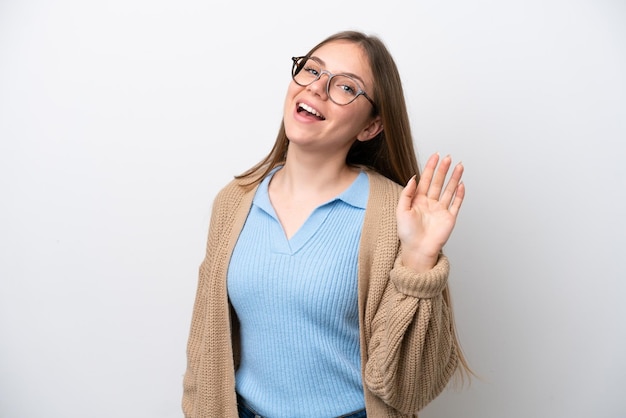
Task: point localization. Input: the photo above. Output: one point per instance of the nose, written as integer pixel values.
(320, 86)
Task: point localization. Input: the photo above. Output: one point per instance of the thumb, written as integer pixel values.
(406, 196)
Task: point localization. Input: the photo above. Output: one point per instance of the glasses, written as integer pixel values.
(341, 89)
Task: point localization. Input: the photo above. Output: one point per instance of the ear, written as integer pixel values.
(373, 128)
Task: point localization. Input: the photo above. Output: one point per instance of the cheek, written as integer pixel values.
(292, 90)
(354, 119)
(289, 106)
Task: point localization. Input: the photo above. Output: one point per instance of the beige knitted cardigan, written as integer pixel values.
(407, 350)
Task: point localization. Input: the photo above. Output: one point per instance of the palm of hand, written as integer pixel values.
(427, 212)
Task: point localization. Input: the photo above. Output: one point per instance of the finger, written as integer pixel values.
(451, 187)
(406, 196)
(458, 199)
(440, 176)
(427, 174)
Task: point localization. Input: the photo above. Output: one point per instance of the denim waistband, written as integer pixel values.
(247, 411)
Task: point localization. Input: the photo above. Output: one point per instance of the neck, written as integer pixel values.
(314, 176)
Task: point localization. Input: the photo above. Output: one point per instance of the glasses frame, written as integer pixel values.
(360, 92)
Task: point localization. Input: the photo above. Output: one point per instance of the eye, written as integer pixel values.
(312, 68)
(345, 85)
(348, 89)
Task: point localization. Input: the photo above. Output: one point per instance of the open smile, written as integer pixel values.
(303, 107)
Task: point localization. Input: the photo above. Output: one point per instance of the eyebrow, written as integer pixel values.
(323, 64)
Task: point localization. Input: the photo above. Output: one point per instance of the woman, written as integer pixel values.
(324, 291)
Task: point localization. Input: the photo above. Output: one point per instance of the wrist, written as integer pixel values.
(420, 262)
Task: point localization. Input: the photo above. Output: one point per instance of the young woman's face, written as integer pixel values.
(313, 120)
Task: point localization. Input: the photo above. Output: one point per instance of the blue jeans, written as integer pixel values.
(246, 412)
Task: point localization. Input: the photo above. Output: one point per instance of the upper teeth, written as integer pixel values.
(310, 110)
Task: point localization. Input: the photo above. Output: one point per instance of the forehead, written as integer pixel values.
(344, 57)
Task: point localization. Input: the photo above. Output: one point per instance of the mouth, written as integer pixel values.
(308, 110)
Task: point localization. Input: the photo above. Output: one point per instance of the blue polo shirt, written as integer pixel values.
(297, 302)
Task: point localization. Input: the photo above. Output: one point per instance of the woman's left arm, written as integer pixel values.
(412, 352)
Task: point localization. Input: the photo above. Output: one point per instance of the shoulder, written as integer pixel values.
(380, 214)
(232, 195)
(383, 188)
(379, 241)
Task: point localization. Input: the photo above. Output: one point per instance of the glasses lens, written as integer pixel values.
(305, 71)
(343, 89)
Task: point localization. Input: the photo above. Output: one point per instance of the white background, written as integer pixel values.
(120, 120)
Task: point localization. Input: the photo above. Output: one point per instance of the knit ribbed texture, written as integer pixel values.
(407, 350)
(296, 302)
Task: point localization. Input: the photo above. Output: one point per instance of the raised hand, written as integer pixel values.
(427, 212)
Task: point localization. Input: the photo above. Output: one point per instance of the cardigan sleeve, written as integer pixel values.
(411, 352)
(193, 373)
(190, 380)
(208, 346)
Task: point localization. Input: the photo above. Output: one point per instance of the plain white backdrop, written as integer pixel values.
(120, 120)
